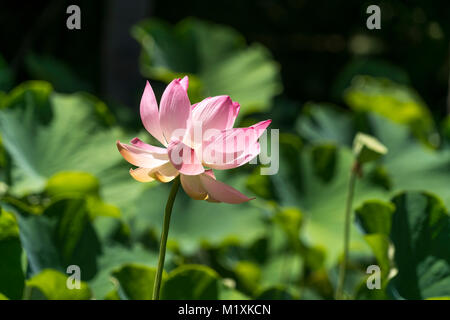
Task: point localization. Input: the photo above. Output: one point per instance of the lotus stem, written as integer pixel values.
(348, 214)
(164, 234)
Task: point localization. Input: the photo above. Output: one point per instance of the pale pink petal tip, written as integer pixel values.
(150, 113)
(185, 82)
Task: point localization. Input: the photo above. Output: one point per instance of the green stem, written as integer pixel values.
(348, 215)
(164, 234)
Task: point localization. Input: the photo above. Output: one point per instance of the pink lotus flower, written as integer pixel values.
(194, 137)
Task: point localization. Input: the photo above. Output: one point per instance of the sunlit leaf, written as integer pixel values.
(215, 56)
(52, 285)
(389, 99)
(46, 133)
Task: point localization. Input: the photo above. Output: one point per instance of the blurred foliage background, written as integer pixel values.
(313, 67)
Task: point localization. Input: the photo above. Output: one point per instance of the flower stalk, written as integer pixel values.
(365, 149)
(164, 234)
(356, 170)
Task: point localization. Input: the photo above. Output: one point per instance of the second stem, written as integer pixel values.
(348, 215)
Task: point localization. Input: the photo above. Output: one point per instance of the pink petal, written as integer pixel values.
(215, 113)
(227, 161)
(150, 114)
(233, 147)
(193, 187)
(210, 173)
(175, 109)
(140, 144)
(222, 192)
(234, 113)
(184, 158)
(141, 157)
(196, 104)
(185, 82)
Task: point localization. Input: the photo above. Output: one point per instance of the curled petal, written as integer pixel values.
(141, 174)
(175, 110)
(140, 144)
(206, 187)
(164, 173)
(193, 187)
(150, 114)
(184, 158)
(219, 191)
(141, 157)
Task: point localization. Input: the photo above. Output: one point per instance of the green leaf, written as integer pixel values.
(3, 297)
(389, 99)
(367, 66)
(248, 276)
(63, 235)
(73, 234)
(53, 286)
(11, 276)
(324, 159)
(46, 133)
(323, 220)
(291, 221)
(136, 281)
(215, 56)
(36, 235)
(428, 171)
(115, 256)
(31, 94)
(375, 216)
(411, 166)
(325, 124)
(229, 293)
(191, 282)
(421, 234)
(81, 184)
(112, 295)
(69, 183)
(380, 245)
(281, 269)
(276, 293)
